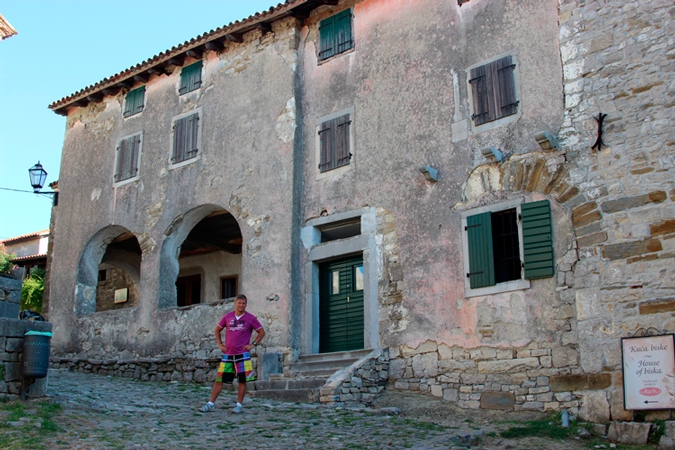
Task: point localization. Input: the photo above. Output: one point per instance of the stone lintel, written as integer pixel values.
(580, 382)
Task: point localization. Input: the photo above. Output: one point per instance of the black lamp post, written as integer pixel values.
(38, 176)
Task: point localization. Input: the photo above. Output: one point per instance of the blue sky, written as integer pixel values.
(63, 46)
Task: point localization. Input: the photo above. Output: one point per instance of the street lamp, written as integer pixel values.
(38, 176)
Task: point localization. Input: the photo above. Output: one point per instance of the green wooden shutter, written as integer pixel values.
(504, 87)
(190, 78)
(481, 256)
(537, 239)
(327, 38)
(342, 153)
(135, 150)
(121, 158)
(343, 31)
(327, 144)
(192, 136)
(133, 103)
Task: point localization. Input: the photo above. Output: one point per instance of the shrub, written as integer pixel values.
(32, 289)
(5, 265)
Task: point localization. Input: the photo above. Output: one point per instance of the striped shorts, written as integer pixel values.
(240, 365)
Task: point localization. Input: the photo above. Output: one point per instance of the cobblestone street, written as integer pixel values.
(101, 412)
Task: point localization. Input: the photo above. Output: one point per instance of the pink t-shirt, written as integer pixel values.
(238, 331)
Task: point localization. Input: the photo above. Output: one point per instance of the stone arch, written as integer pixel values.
(198, 237)
(114, 248)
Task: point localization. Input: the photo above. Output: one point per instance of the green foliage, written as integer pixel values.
(32, 290)
(657, 431)
(549, 427)
(5, 265)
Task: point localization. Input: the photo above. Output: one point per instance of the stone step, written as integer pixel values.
(335, 356)
(325, 364)
(289, 395)
(288, 384)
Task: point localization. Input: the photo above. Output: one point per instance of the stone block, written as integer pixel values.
(497, 400)
(580, 382)
(9, 309)
(564, 357)
(623, 204)
(629, 432)
(634, 248)
(594, 407)
(662, 228)
(426, 347)
(657, 306)
(507, 365)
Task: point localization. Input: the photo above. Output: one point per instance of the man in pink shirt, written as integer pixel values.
(239, 326)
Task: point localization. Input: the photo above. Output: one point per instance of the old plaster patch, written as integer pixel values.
(152, 214)
(95, 194)
(286, 122)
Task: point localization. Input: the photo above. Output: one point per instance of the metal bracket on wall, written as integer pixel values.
(598, 142)
(651, 331)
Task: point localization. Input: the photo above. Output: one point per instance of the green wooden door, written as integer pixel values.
(341, 305)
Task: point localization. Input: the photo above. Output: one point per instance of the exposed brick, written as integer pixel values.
(586, 219)
(623, 204)
(660, 228)
(657, 306)
(628, 249)
(593, 239)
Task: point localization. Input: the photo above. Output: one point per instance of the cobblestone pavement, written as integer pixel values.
(100, 412)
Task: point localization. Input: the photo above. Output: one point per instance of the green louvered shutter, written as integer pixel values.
(327, 38)
(343, 31)
(537, 239)
(190, 78)
(481, 256)
(133, 103)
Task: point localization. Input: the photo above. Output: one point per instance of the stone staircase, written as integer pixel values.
(307, 377)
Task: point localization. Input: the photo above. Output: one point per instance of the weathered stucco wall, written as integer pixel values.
(244, 166)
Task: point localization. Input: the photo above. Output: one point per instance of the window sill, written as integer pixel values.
(185, 162)
(117, 184)
(321, 62)
(515, 285)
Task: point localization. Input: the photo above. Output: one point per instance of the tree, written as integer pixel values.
(32, 289)
(5, 260)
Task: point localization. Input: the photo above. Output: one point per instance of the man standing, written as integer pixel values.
(239, 326)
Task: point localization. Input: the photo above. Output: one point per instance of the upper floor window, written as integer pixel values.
(506, 245)
(128, 154)
(134, 102)
(190, 78)
(335, 142)
(493, 91)
(186, 137)
(335, 34)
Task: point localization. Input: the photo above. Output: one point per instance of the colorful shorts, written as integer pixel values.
(240, 365)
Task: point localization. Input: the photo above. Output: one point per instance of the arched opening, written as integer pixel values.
(201, 258)
(109, 272)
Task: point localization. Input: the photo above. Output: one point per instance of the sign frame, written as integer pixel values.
(648, 367)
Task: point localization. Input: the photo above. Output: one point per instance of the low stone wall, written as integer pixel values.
(163, 368)
(360, 383)
(12, 333)
(488, 378)
(10, 296)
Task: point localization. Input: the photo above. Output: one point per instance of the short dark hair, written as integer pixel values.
(241, 297)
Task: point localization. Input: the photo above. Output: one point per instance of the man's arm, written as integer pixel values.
(219, 339)
(259, 337)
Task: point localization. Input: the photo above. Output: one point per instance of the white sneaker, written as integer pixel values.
(237, 410)
(207, 408)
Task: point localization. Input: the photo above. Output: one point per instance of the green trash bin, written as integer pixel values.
(36, 354)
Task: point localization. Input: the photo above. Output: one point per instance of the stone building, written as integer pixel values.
(408, 192)
(29, 250)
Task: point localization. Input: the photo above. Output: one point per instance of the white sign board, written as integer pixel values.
(649, 372)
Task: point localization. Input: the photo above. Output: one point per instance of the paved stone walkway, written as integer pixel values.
(102, 412)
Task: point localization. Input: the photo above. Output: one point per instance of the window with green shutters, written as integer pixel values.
(508, 245)
(493, 91)
(190, 78)
(335, 35)
(128, 153)
(185, 138)
(334, 142)
(134, 102)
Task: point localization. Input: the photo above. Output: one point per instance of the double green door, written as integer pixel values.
(341, 305)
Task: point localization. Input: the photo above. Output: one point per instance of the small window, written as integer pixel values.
(228, 287)
(334, 142)
(102, 275)
(335, 35)
(134, 102)
(128, 152)
(185, 138)
(493, 91)
(190, 78)
(188, 290)
(507, 245)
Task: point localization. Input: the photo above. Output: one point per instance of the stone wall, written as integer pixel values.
(10, 296)
(12, 333)
(360, 383)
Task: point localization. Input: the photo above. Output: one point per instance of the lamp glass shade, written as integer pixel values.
(38, 175)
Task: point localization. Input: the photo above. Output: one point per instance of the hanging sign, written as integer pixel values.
(648, 372)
